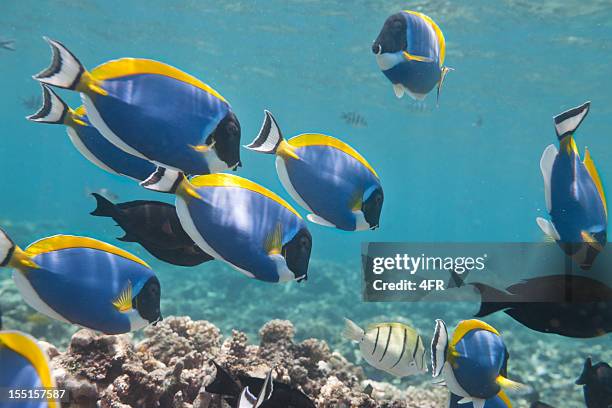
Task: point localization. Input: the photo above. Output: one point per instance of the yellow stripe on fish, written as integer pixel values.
(138, 66)
(467, 326)
(439, 35)
(230, 180)
(59, 242)
(318, 139)
(590, 166)
(27, 347)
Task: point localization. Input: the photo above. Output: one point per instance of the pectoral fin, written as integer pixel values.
(123, 302)
(419, 58)
(508, 384)
(274, 241)
(588, 238)
(590, 166)
(203, 148)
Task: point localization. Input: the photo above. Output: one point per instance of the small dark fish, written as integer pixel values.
(155, 226)
(478, 122)
(570, 306)
(597, 381)
(32, 102)
(457, 280)
(7, 44)
(354, 119)
(256, 392)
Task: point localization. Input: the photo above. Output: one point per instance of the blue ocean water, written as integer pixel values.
(467, 170)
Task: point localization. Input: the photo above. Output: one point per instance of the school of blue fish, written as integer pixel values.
(174, 134)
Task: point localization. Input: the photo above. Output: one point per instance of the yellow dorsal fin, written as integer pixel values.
(27, 347)
(274, 241)
(466, 326)
(590, 166)
(59, 242)
(123, 302)
(318, 139)
(134, 66)
(230, 180)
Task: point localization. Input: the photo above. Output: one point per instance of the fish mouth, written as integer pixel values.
(377, 49)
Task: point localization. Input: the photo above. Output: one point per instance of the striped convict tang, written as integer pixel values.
(392, 347)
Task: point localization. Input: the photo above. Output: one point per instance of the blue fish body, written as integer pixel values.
(78, 283)
(482, 355)
(234, 220)
(328, 180)
(162, 132)
(106, 155)
(576, 205)
(23, 366)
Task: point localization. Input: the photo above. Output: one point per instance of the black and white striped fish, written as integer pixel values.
(392, 347)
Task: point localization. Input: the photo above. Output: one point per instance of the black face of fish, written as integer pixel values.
(147, 301)
(227, 140)
(297, 254)
(372, 208)
(393, 36)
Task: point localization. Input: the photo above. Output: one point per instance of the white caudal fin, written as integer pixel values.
(439, 344)
(7, 248)
(65, 70)
(567, 122)
(247, 400)
(53, 109)
(163, 180)
(352, 331)
(546, 166)
(478, 402)
(319, 220)
(269, 137)
(548, 228)
(399, 90)
(266, 390)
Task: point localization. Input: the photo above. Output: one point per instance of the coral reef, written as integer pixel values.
(171, 367)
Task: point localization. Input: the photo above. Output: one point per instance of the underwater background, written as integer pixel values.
(466, 171)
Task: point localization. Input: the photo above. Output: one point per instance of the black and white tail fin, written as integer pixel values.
(439, 346)
(269, 137)
(53, 110)
(104, 207)
(164, 180)
(65, 70)
(7, 248)
(567, 122)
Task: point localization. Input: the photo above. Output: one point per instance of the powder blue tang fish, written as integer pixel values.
(153, 111)
(574, 193)
(410, 50)
(473, 363)
(85, 282)
(88, 141)
(325, 176)
(23, 366)
(240, 222)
